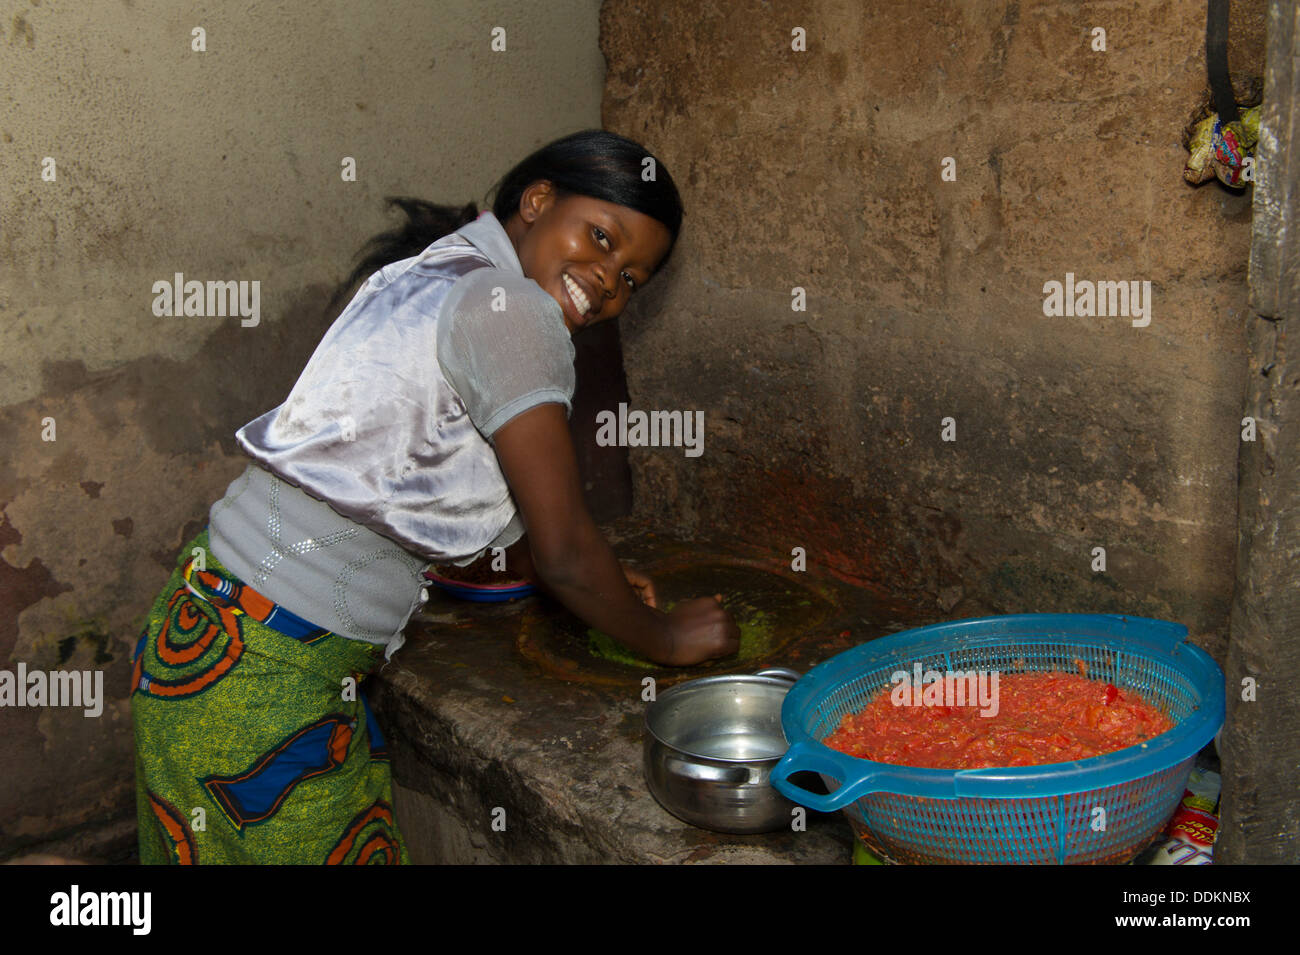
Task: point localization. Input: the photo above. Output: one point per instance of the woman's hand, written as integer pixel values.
(699, 630)
(643, 585)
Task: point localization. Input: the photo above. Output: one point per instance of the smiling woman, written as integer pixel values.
(428, 427)
(590, 255)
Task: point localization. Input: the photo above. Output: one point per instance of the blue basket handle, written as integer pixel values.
(802, 757)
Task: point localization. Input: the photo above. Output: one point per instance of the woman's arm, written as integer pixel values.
(519, 565)
(575, 562)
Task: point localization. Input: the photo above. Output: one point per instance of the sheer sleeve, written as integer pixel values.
(504, 348)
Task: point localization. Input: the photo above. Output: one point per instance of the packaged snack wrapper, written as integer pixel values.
(1191, 832)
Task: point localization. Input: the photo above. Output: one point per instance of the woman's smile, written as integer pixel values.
(587, 253)
(578, 297)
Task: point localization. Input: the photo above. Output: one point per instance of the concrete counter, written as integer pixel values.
(497, 760)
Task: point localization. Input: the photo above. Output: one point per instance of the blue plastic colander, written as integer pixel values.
(1030, 814)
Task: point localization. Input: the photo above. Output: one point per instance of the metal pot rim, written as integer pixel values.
(786, 680)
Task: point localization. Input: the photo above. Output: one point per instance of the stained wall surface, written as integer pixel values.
(225, 164)
(917, 421)
(820, 169)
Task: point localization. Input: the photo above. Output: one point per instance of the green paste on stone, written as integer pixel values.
(756, 633)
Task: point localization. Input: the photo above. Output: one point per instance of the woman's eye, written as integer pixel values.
(603, 239)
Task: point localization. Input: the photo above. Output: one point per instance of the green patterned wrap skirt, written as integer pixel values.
(253, 740)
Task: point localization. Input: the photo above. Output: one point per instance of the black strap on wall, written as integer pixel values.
(1216, 61)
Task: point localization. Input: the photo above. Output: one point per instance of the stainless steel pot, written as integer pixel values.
(710, 746)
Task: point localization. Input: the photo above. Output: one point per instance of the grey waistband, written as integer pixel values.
(302, 554)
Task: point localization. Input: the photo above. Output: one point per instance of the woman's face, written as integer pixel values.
(590, 255)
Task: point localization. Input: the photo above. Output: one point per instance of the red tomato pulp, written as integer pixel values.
(1041, 718)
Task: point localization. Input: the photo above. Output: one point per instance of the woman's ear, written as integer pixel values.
(536, 199)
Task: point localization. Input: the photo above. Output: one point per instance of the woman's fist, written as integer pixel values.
(700, 630)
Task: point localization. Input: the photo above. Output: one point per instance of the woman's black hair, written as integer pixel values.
(592, 162)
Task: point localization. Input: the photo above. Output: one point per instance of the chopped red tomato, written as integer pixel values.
(1041, 718)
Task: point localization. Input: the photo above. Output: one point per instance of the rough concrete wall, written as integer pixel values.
(223, 165)
(1261, 741)
(925, 298)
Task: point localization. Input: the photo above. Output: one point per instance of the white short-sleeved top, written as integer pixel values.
(390, 425)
